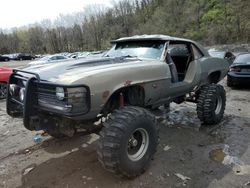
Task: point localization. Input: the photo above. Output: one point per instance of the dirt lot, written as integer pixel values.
(14, 64)
(189, 154)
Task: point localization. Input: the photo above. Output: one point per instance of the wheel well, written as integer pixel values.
(214, 77)
(133, 95)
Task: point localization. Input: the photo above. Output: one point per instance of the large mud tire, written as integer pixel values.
(211, 104)
(128, 141)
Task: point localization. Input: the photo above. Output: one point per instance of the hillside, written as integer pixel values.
(210, 22)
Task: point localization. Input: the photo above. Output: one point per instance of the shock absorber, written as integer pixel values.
(121, 100)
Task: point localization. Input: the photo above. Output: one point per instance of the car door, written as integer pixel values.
(186, 57)
(193, 73)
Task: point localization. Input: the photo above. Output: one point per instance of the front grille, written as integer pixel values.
(46, 88)
(46, 94)
(42, 95)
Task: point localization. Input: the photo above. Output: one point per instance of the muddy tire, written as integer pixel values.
(3, 90)
(128, 141)
(211, 104)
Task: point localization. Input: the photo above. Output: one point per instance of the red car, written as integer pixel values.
(5, 72)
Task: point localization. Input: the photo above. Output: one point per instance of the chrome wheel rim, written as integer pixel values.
(137, 144)
(218, 105)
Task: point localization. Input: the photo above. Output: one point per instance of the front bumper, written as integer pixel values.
(39, 101)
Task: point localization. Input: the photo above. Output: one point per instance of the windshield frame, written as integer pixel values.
(161, 57)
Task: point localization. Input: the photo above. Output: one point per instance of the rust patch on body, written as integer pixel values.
(127, 82)
(105, 94)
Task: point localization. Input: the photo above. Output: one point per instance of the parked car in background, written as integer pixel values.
(10, 56)
(97, 53)
(4, 58)
(74, 55)
(90, 54)
(23, 56)
(64, 54)
(49, 59)
(37, 56)
(222, 54)
(239, 72)
(5, 73)
(83, 55)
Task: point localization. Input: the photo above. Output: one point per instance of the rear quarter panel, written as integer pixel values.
(210, 65)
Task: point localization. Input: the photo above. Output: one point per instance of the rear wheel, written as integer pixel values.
(128, 141)
(211, 104)
(3, 90)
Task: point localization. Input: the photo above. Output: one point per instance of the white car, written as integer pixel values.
(49, 59)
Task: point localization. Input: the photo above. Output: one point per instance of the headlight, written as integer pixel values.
(22, 94)
(77, 94)
(60, 95)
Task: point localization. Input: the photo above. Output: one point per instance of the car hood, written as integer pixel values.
(38, 62)
(70, 71)
(41, 62)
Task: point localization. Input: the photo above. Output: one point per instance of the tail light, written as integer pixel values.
(235, 69)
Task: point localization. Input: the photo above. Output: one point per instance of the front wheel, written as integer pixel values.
(211, 104)
(128, 141)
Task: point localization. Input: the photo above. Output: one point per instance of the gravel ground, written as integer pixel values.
(14, 64)
(189, 154)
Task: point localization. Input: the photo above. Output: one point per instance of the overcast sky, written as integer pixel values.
(15, 13)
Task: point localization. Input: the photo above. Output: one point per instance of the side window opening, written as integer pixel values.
(181, 55)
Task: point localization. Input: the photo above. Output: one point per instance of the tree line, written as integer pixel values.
(207, 21)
